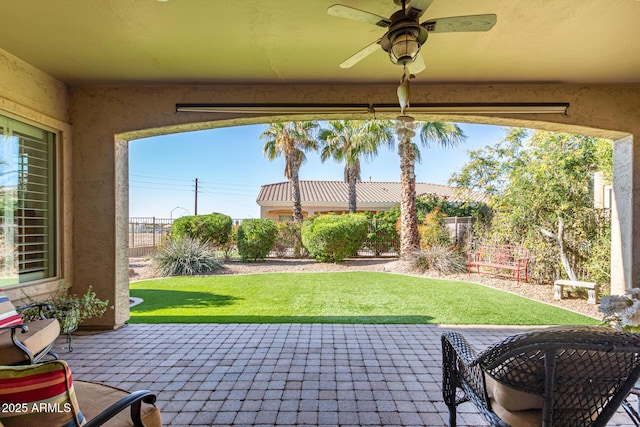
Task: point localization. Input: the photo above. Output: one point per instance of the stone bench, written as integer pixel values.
(592, 289)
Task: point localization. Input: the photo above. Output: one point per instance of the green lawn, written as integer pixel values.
(355, 297)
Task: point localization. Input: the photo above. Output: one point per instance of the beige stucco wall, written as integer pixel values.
(29, 95)
(276, 210)
(94, 237)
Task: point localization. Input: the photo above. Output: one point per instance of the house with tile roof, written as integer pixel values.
(333, 196)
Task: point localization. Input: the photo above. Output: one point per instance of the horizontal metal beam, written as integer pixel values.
(431, 108)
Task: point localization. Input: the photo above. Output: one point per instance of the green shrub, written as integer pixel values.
(289, 239)
(382, 235)
(214, 228)
(185, 256)
(256, 238)
(433, 231)
(440, 258)
(332, 238)
(230, 249)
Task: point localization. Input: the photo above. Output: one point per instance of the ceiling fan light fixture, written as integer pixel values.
(404, 47)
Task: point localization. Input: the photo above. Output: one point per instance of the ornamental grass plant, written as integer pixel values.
(185, 257)
(443, 259)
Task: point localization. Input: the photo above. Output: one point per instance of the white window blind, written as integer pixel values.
(29, 202)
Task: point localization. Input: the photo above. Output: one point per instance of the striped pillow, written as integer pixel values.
(8, 314)
(38, 395)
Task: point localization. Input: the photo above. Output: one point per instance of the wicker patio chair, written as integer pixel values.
(568, 376)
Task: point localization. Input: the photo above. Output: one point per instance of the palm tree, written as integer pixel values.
(291, 140)
(350, 140)
(440, 133)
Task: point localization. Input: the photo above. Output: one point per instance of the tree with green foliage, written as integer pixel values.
(427, 203)
(349, 141)
(291, 140)
(542, 182)
(490, 168)
(431, 133)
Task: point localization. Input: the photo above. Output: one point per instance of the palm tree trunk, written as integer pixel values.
(295, 193)
(351, 177)
(409, 236)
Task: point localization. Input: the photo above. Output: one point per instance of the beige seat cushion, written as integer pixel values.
(510, 398)
(94, 398)
(526, 418)
(517, 408)
(41, 333)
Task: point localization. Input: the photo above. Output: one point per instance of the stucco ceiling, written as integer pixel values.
(295, 41)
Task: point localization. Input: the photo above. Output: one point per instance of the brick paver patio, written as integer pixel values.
(282, 374)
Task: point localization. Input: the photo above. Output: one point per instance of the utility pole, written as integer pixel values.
(195, 210)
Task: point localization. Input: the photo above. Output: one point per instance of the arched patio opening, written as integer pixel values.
(105, 119)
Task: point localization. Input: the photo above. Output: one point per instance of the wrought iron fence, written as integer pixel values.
(146, 234)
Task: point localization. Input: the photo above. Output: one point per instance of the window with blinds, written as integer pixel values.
(27, 203)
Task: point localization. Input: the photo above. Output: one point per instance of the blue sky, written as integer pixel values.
(230, 168)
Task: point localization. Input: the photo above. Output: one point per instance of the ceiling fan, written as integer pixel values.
(405, 35)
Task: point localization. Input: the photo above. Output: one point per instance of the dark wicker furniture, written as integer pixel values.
(568, 376)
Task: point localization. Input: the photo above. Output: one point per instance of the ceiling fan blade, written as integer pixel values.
(460, 23)
(347, 12)
(416, 8)
(360, 55)
(417, 65)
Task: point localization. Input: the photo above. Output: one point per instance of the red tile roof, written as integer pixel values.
(368, 193)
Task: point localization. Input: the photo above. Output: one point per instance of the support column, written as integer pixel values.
(100, 183)
(121, 303)
(625, 226)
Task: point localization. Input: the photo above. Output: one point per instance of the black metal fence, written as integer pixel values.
(146, 234)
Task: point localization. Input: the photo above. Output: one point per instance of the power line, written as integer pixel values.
(175, 178)
(159, 183)
(159, 188)
(227, 184)
(215, 184)
(163, 176)
(228, 193)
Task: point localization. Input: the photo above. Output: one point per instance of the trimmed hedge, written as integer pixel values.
(256, 238)
(332, 238)
(214, 228)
